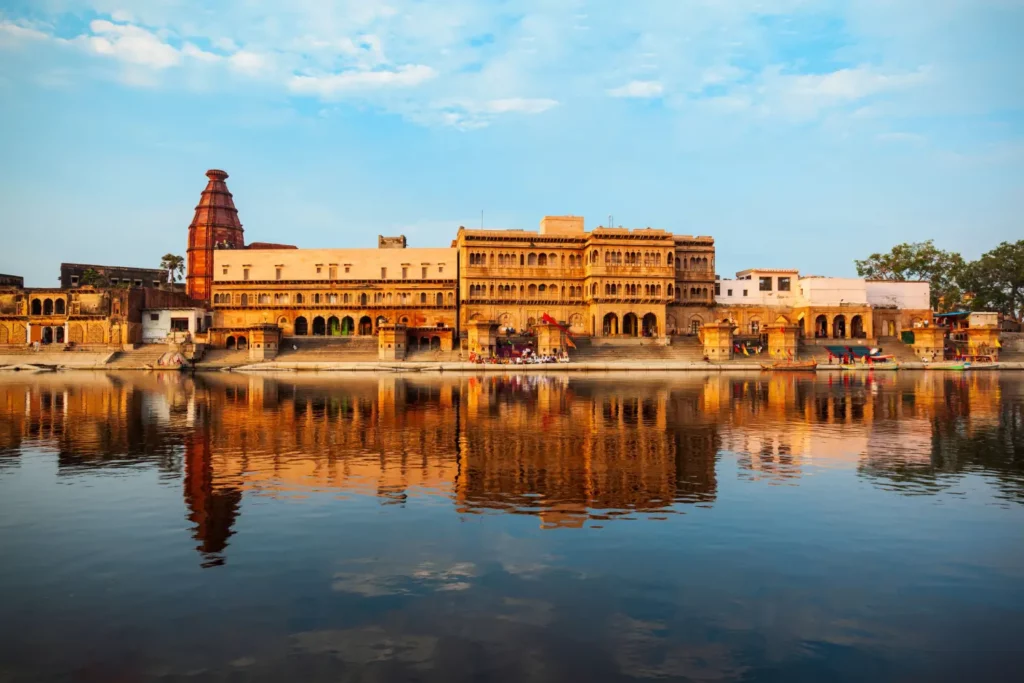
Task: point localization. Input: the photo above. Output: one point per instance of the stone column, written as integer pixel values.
(783, 341)
(392, 342)
(929, 342)
(717, 341)
(482, 336)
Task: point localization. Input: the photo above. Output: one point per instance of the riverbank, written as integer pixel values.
(53, 362)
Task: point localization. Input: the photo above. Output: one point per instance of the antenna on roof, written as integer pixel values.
(611, 220)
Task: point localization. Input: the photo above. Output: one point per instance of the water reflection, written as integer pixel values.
(416, 527)
(571, 452)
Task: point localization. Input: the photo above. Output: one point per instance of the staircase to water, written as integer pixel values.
(681, 350)
(328, 349)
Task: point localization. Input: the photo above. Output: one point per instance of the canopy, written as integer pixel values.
(953, 314)
(856, 351)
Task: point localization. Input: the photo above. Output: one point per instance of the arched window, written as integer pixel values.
(542, 260)
(440, 299)
(245, 300)
(532, 291)
(58, 307)
(299, 299)
(531, 260)
(48, 307)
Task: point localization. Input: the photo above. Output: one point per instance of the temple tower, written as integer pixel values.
(215, 225)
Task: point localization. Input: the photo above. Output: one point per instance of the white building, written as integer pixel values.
(159, 324)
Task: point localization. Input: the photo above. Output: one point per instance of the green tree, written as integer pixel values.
(996, 280)
(919, 261)
(92, 278)
(174, 265)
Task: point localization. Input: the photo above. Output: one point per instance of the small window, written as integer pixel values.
(405, 272)
(319, 269)
(113, 281)
(718, 288)
(179, 324)
(224, 271)
(728, 292)
(744, 292)
(783, 284)
(346, 268)
(245, 273)
(277, 273)
(764, 284)
(74, 280)
(155, 317)
(138, 283)
(423, 273)
(440, 269)
(156, 283)
(332, 272)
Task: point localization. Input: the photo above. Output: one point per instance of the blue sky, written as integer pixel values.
(798, 134)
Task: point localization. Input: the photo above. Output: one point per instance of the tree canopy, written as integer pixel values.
(919, 261)
(996, 280)
(174, 266)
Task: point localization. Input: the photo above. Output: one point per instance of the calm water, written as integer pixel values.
(518, 528)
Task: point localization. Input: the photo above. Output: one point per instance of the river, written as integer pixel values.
(413, 527)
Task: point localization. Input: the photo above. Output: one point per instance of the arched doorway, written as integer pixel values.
(333, 327)
(47, 335)
(821, 327)
(58, 307)
(696, 322)
(242, 343)
(365, 325)
(611, 324)
(857, 327)
(58, 335)
(650, 325)
(435, 343)
(229, 343)
(301, 326)
(630, 328)
(319, 327)
(424, 343)
(244, 300)
(839, 327)
(48, 307)
(37, 307)
(348, 326)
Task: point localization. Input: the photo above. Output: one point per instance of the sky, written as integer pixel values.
(796, 133)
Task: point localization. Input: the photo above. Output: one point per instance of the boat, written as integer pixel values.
(873, 363)
(949, 365)
(790, 365)
(966, 363)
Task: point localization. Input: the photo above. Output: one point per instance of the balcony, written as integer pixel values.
(522, 272)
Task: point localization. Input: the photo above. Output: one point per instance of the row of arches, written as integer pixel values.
(48, 307)
(631, 325)
(692, 263)
(531, 259)
(838, 328)
(631, 258)
(533, 291)
(51, 334)
(333, 298)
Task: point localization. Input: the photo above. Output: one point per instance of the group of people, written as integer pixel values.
(527, 357)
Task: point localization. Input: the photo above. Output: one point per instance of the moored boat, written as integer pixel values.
(873, 363)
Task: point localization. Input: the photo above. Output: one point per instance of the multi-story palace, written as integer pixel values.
(607, 282)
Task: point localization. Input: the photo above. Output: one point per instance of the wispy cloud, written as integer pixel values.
(330, 86)
(638, 89)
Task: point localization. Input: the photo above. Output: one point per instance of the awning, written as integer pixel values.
(953, 314)
(856, 351)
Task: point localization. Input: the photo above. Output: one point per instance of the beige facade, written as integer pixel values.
(609, 282)
(335, 292)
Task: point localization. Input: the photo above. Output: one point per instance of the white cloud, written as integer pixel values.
(248, 62)
(193, 51)
(639, 89)
(131, 44)
(12, 33)
(518, 104)
(850, 84)
(334, 85)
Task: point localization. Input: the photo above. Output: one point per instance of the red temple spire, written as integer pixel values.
(214, 225)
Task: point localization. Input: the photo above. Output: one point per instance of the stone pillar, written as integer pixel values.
(983, 341)
(392, 341)
(783, 341)
(482, 336)
(264, 342)
(929, 342)
(717, 340)
(550, 339)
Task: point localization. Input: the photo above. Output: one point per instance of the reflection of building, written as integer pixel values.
(568, 452)
(574, 457)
